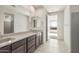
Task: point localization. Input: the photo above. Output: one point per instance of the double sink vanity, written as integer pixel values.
(25, 42)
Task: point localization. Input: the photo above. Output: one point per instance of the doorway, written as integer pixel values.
(52, 26)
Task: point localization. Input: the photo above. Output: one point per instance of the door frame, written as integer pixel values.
(46, 27)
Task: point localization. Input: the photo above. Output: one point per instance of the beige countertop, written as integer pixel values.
(15, 38)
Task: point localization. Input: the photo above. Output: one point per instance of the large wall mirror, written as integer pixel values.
(15, 23)
(36, 23)
(8, 23)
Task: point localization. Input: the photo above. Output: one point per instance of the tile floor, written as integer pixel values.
(52, 46)
(52, 34)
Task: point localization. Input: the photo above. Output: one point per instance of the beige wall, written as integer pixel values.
(20, 23)
(67, 28)
(60, 29)
(74, 8)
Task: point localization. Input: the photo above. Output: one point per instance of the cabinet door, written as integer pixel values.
(31, 43)
(41, 37)
(5, 49)
(37, 41)
(20, 49)
(31, 50)
(19, 46)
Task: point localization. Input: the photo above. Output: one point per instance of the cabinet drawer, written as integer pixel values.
(5, 49)
(20, 49)
(31, 38)
(18, 44)
(32, 49)
(31, 43)
(37, 42)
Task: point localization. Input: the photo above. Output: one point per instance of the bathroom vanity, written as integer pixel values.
(22, 43)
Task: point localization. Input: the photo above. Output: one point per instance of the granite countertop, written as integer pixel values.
(15, 38)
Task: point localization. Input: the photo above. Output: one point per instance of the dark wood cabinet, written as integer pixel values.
(27, 45)
(19, 46)
(31, 44)
(39, 39)
(5, 49)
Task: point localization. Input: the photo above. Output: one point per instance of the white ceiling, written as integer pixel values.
(38, 6)
(49, 8)
(29, 8)
(54, 8)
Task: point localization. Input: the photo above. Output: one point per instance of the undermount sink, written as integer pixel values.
(6, 40)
